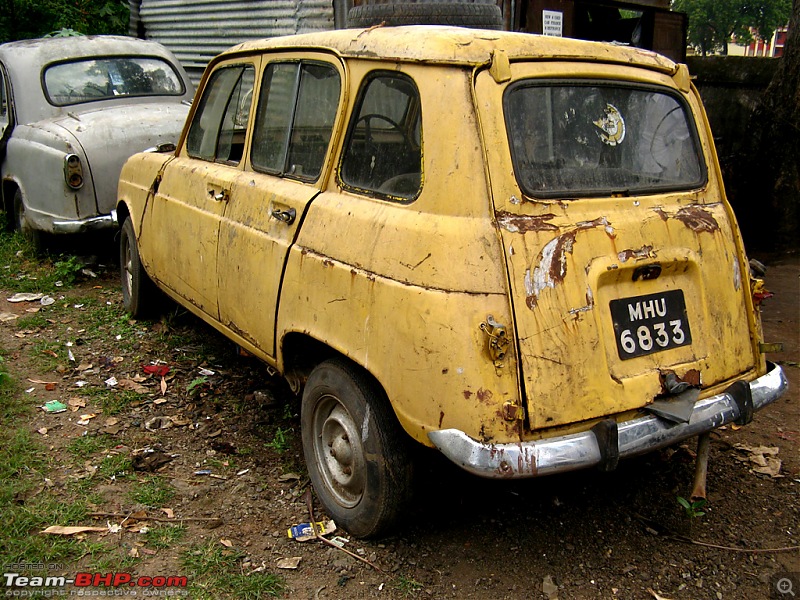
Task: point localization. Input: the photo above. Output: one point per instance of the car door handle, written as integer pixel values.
(221, 196)
(287, 216)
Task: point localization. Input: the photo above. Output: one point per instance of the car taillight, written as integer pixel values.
(73, 171)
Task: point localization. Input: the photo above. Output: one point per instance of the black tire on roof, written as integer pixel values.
(463, 14)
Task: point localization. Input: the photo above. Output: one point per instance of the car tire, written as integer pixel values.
(20, 223)
(138, 291)
(356, 453)
(463, 14)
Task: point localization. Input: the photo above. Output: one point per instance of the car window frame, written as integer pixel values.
(355, 117)
(199, 106)
(263, 96)
(78, 59)
(571, 195)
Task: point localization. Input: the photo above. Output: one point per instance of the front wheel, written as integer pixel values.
(138, 291)
(355, 451)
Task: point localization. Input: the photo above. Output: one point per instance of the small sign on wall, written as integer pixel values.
(552, 23)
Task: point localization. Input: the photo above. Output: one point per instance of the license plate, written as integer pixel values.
(653, 323)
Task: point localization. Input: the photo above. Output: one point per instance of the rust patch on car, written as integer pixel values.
(484, 395)
(552, 264)
(640, 254)
(697, 219)
(691, 377)
(441, 418)
(524, 223)
(505, 469)
(694, 217)
(467, 394)
(510, 411)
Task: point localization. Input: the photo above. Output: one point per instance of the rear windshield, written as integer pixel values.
(113, 77)
(572, 139)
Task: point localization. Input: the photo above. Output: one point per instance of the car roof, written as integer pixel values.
(454, 45)
(41, 51)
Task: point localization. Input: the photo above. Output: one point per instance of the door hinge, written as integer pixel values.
(498, 340)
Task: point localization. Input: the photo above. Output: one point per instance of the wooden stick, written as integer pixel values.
(309, 505)
(686, 540)
(658, 529)
(701, 467)
(160, 519)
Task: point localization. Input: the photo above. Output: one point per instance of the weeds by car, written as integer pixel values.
(513, 248)
(72, 110)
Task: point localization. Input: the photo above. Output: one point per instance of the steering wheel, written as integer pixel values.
(94, 90)
(660, 145)
(368, 128)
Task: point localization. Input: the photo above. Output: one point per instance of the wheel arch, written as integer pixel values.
(9, 187)
(300, 353)
(123, 213)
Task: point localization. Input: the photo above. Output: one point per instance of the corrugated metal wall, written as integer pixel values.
(197, 30)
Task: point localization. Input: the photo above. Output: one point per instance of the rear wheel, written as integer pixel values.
(467, 13)
(138, 291)
(355, 451)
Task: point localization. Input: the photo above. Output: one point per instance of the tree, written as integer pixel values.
(24, 19)
(765, 190)
(713, 22)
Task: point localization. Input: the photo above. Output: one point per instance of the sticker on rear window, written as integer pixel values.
(612, 126)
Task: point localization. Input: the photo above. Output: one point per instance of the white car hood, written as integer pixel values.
(110, 135)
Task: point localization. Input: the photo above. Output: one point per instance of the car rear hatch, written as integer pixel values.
(621, 251)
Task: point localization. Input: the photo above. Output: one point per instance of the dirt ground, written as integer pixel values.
(583, 535)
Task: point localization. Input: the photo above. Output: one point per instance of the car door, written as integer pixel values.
(298, 105)
(196, 186)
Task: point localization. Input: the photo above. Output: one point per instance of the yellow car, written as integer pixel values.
(513, 248)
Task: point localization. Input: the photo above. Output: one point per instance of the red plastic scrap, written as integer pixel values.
(157, 370)
(759, 297)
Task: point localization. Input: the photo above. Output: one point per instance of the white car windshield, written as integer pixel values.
(114, 77)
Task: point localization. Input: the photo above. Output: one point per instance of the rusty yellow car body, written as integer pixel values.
(412, 237)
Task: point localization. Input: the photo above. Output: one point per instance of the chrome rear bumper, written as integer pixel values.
(591, 448)
(108, 221)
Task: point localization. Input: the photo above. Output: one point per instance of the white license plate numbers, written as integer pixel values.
(652, 323)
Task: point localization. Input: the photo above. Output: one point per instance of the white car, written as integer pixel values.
(72, 110)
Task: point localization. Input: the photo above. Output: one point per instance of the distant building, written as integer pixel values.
(772, 48)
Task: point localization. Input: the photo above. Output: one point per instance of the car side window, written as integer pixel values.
(294, 121)
(383, 151)
(219, 126)
(3, 100)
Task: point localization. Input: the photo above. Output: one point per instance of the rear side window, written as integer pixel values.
(219, 125)
(296, 111)
(383, 151)
(571, 139)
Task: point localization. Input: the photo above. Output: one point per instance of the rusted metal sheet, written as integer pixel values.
(198, 30)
